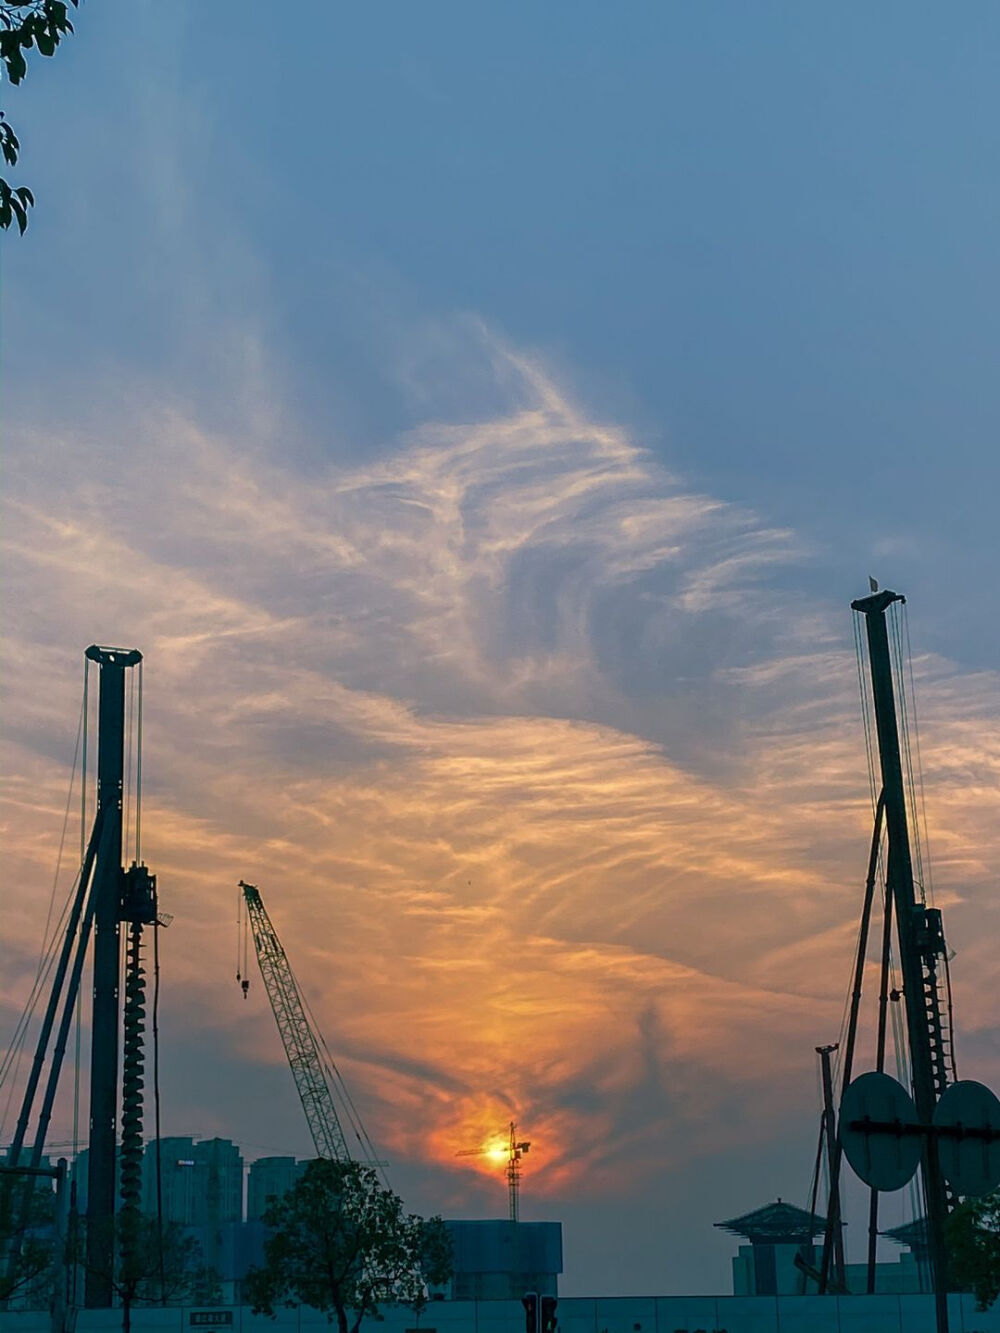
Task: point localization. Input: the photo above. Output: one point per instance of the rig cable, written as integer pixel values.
(920, 767)
(906, 755)
(62, 841)
(138, 775)
(156, 1099)
(78, 1048)
(344, 1096)
(83, 765)
(127, 793)
(866, 719)
(47, 949)
(951, 1015)
(16, 1047)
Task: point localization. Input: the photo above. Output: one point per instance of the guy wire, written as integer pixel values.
(920, 766)
(127, 801)
(17, 1041)
(951, 1015)
(138, 775)
(904, 706)
(859, 657)
(47, 951)
(62, 844)
(83, 784)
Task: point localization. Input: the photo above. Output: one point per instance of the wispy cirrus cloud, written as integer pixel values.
(558, 803)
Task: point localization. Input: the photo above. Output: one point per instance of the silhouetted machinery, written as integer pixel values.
(950, 1129)
(318, 1081)
(513, 1151)
(108, 900)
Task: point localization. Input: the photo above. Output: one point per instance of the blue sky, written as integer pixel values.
(482, 416)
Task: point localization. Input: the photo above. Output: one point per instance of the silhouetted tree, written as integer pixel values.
(974, 1248)
(151, 1267)
(341, 1243)
(27, 1237)
(38, 24)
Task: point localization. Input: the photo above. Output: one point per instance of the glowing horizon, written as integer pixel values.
(545, 895)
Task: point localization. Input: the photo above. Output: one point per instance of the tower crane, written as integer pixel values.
(317, 1078)
(513, 1152)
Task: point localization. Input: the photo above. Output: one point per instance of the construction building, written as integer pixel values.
(782, 1258)
(501, 1260)
(201, 1182)
(270, 1177)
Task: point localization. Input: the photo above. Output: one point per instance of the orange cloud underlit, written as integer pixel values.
(539, 847)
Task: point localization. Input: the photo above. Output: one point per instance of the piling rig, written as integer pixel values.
(107, 896)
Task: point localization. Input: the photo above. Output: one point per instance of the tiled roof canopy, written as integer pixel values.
(775, 1224)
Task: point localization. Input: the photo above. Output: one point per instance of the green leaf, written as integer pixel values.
(16, 68)
(9, 144)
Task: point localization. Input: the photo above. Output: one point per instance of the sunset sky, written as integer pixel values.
(482, 417)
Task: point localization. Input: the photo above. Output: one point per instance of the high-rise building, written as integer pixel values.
(270, 1177)
(222, 1163)
(201, 1184)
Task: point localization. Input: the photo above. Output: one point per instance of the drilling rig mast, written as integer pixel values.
(106, 897)
(315, 1073)
(919, 928)
(925, 993)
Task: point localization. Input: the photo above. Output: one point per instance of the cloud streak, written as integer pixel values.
(555, 793)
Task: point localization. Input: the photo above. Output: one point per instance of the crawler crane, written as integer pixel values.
(317, 1078)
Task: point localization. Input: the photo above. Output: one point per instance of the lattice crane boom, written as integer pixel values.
(297, 1035)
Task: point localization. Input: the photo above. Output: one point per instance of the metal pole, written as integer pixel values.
(833, 1243)
(900, 884)
(833, 1223)
(60, 1257)
(108, 887)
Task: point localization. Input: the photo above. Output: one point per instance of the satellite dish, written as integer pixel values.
(885, 1156)
(970, 1164)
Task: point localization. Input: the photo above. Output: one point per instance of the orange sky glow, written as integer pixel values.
(561, 817)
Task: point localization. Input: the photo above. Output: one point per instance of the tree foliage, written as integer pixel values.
(27, 1222)
(150, 1265)
(341, 1243)
(25, 24)
(974, 1248)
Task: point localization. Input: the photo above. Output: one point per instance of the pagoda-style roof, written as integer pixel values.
(776, 1224)
(913, 1234)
